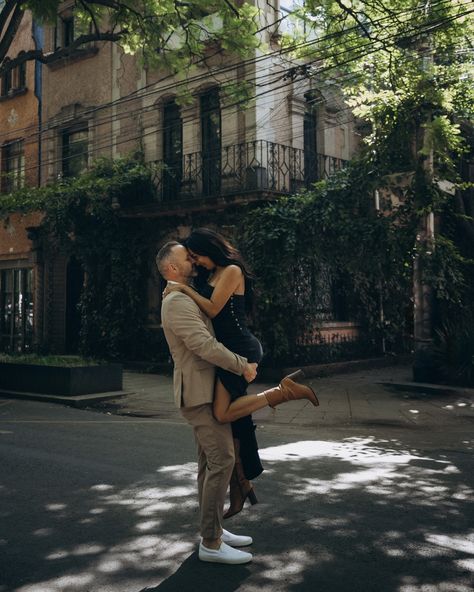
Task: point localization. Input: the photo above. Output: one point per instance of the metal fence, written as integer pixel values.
(247, 167)
(338, 349)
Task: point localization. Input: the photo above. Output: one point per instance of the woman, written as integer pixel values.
(224, 293)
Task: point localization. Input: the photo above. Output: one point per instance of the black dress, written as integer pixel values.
(231, 330)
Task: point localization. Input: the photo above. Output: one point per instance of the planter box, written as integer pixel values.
(60, 380)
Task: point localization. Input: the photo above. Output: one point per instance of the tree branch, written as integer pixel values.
(37, 54)
(355, 16)
(91, 13)
(6, 12)
(233, 8)
(12, 28)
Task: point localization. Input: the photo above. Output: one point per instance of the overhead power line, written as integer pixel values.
(54, 124)
(156, 130)
(99, 148)
(175, 85)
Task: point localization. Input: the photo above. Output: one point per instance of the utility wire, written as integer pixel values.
(55, 124)
(140, 93)
(155, 130)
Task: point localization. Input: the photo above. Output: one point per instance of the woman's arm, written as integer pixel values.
(228, 282)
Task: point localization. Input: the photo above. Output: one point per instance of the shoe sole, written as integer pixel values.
(216, 560)
(236, 546)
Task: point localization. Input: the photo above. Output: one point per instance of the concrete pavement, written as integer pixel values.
(370, 492)
(382, 396)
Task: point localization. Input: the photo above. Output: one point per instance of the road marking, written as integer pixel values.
(120, 422)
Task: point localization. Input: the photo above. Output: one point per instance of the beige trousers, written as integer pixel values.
(215, 464)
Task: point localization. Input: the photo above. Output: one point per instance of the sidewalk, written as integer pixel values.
(382, 396)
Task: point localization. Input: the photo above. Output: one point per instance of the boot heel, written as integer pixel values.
(252, 497)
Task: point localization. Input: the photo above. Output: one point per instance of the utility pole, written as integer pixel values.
(424, 367)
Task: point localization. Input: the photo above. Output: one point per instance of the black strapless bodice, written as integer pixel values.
(230, 327)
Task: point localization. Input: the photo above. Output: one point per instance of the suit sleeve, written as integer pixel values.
(184, 319)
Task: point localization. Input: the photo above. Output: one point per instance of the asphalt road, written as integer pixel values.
(91, 502)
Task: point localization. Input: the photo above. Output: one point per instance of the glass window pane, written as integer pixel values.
(16, 309)
(75, 148)
(13, 166)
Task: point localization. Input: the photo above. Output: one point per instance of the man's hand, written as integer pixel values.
(250, 371)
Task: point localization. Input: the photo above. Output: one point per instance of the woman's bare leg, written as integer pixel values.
(226, 410)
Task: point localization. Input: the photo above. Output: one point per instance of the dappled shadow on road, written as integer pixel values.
(365, 514)
(194, 575)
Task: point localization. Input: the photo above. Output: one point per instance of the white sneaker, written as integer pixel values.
(235, 540)
(224, 554)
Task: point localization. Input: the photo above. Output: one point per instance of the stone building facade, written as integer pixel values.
(20, 286)
(208, 152)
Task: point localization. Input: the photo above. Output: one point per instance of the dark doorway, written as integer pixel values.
(74, 283)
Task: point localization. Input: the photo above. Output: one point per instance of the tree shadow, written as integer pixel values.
(195, 575)
(119, 512)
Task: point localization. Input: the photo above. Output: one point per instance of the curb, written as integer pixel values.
(425, 387)
(321, 370)
(71, 400)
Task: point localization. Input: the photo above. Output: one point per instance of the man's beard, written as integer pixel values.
(192, 274)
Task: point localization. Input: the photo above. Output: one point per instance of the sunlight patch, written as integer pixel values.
(355, 450)
(82, 550)
(148, 525)
(290, 568)
(69, 583)
(42, 532)
(56, 507)
(189, 468)
(440, 587)
(467, 564)
(101, 487)
(459, 543)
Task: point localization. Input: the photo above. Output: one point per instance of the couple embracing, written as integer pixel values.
(209, 290)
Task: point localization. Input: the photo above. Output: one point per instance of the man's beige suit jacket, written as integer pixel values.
(195, 351)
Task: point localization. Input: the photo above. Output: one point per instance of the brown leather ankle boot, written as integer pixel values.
(240, 486)
(289, 390)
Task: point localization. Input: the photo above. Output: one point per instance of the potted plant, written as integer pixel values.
(58, 375)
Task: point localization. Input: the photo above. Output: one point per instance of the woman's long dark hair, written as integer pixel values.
(207, 242)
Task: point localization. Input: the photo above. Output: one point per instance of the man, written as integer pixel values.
(195, 353)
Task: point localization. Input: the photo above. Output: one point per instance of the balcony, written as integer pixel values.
(257, 167)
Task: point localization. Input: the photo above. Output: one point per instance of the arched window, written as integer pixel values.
(21, 74)
(6, 81)
(75, 151)
(13, 166)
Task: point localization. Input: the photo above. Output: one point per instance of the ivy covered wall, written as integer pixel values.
(293, 244)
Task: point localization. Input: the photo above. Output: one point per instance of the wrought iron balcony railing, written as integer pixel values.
(250, 167)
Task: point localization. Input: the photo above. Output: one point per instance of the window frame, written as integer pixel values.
(7, 81)
(12, 178)
(17, 324)
(66, 158)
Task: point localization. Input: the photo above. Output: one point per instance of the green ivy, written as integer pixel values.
(81, 219)
(331, 230)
